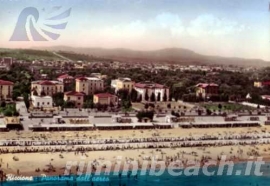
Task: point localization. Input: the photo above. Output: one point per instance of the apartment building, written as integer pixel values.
(122, 83)
(6, 89)
(105, 99)
(76, 97)
(89, 85)
(206, 90)
(48, 88)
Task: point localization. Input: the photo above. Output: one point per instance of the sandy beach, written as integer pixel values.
(118, 134)
(28, 163)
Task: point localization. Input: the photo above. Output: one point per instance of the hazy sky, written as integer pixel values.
(235, 28)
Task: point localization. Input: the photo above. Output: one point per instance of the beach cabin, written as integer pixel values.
(13, 123)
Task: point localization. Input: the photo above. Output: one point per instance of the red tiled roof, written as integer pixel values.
(65, 76)
(74, 93)
(3, 82)
(81, 78)
(266, 83)
(104, 95)
(46, 83)
(149, 85)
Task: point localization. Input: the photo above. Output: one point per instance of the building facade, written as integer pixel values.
(42, 101)
(89, 85)
(105, 99)
(46, 88)
(6, 90)
(146, 89)
(205, 90)
(122, 83)
(68, 81)
(76, 97)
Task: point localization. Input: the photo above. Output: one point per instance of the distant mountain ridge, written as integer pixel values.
(167, 55)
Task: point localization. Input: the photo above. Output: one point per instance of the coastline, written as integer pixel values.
(28, 163)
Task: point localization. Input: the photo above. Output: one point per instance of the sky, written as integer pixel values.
(229, 28)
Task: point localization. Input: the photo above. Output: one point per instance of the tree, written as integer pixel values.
(139, 98)
(88, 104)
(42, 93)
(35, 92)
(3, 104)
(70, 104)
(58, 99)
(133, 95)
(146, 97)
(208, 112)
(153, 97)
(123, 94)
(145, 114)
(26, 100)
(165, 96)
(15, 93)
(126, 104)
(158, 97)
(219, 106)
(8, 113)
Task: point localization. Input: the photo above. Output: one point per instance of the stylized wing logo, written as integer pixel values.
(27, 29)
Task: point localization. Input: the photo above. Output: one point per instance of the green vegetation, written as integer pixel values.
(234, 85)
(145, 114)
(21, 77)
(80, 57)
(225, 107)
(8, 110)
(88, 102)
(28, 55)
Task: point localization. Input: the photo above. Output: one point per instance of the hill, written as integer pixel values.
(28, 54)
(168, 55)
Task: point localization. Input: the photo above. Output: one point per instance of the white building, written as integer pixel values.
(42, 101)
(161, 92)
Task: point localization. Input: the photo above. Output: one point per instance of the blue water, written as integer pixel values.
(165, 179)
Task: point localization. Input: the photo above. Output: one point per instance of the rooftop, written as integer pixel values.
(74, 93)
(148, 84)
(104, 95)
(4, 82)
(46, 82)
(65, 76)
